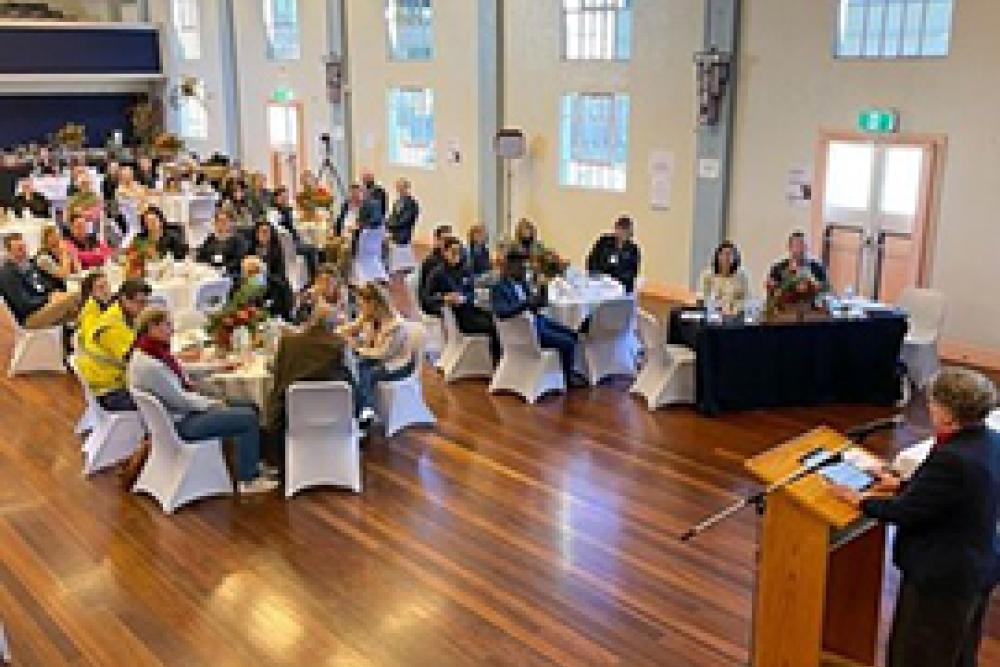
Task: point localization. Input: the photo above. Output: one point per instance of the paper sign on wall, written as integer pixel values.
(798, 188)
(661, 180)
(709, 168)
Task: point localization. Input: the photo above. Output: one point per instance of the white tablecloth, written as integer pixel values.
(175, 285)
(571, 304)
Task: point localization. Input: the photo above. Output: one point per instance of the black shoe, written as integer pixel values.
(577, 381)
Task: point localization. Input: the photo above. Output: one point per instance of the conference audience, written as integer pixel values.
(55, 263)
(798, 264)
(104, 346)
(381, 342)
(268, 250)
(433, 259)
(30, 201)
(947, 545)
(83, 245)
(154, 369)
(725, 283)
(29, 299)
(224, 248)
(480, 262)
(617, 255)
(451, 285)
(513, 295)
(404, 215)
(158, 239)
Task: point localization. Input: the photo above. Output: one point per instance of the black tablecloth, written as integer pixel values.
(741, 366)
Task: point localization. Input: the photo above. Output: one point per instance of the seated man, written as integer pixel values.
(224, 248)
(451, 284)
(286, 219)
(433, 259)
(154, 370)
(616, 255)
(512, 295)
(28, 199)
(798, 263)
(83, 245)
(316, 353)
(104, 347)
(26, 294)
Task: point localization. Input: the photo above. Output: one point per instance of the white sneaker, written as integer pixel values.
(259, 485)
(367, 415)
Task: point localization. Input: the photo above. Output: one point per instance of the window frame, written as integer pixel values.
(278, 55)
(393, 130)
(616, 58)
(611, 164)
(391, 55)
(181, 115)
(837, 9)
(179, 30)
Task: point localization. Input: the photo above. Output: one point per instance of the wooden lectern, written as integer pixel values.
(819, 580)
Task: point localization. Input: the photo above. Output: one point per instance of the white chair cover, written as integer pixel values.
(434, 336)
(34, 350)
(368, 266)
(464, 355)
(608, 347)
(178, 472)
(209, 296)
(401, 258)
(294, 268)
(920, 353)
(114, 436)
(321, 446)
(525, 368)
(668, 372)
(196, 218)
(401, 403)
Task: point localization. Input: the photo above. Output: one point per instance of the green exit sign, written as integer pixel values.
(282, 95)
(879, 121)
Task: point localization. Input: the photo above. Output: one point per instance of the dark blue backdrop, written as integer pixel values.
(27, 118)
(34, 50)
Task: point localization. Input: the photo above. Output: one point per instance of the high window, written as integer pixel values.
(281, 26)
(408, 29)
(411, 127)
(893, 28)
(594, 141)
(597, 29)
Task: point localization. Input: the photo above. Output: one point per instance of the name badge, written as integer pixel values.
(612, 259)
(217, 259)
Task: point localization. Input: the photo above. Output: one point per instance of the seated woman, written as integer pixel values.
(223, 249)
(330, 288)
(153, 369)
(157, 239)
(267, 248)
(84, 200)
(83, 245)
(725, 283)
(54, 261)
(526, 240)
(479, 251)
(380, 339)
(95, 295)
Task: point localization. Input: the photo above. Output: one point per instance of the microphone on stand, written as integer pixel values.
(859, 433)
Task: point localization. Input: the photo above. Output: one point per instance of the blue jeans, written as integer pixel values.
(239, 422)
(371, 372)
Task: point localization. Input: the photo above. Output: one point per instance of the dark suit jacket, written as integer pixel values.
(37, 204)
(442, 280)
(479, 260)
(818, 271)
(171, 243)
(225, 254)
(338, 225)
(949, 536)
(9, 178)
(313, 354)
(510, 297)
(287, 220)
(403, 219)
(109, 186)
(622, 264)
(377, 193)
(427, 266)
(24, 290)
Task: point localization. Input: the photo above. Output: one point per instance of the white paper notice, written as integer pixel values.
(709, 168)
(798, 189)
(661, 180)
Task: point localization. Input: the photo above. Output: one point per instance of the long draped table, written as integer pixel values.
(745, 366)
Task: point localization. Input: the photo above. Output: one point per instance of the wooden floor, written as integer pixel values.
(510, 535)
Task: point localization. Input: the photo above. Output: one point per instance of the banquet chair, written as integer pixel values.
(114, 435)
(920, 352)
(178, 472)
(400, 404)
(322, 441)
(5, 658)
(434, 334)
(210, 296)
(129, 209)
(34, 349)
(198, 221)
(668, 372)
(607, 347)
(368, 266)
(526, 368)
(295, 266)
(464, 355)
(401, 258)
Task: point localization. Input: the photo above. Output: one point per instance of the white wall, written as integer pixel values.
(790, 87)
(660, 82)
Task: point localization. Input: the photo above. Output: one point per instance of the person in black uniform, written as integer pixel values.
(948, 528)
(798, 263)
(224, 248)
(617, 255)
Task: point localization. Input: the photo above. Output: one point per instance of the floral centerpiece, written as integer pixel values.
(241, 311)
(138, 254)
(71, 136)
(795, 293)
(310, 200)
(548, 264)
(167, 145)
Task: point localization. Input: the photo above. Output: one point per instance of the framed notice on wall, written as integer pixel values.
(661, 180)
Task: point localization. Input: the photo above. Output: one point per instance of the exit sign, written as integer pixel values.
(879, 121)
(282, 95)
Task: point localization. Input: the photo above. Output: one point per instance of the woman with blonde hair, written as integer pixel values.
(54, 261)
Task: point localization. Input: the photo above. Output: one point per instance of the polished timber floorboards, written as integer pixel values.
(508, 535)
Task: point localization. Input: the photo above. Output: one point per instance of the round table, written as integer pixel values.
(572, 303)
